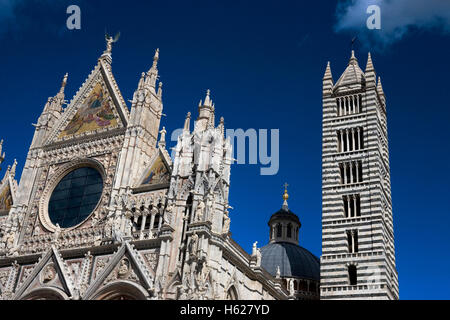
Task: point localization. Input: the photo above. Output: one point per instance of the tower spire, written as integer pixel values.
(187, 122)
(328, 74)
(353, 59)
(285, 196)
(370, 74)
(205, 113)
(152, 74)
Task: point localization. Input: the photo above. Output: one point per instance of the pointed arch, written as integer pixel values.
(46, 294)
(232, 293)
(121, 290)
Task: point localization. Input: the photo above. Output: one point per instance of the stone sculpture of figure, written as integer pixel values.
(210, 204)
(108, 229)
(110, 40)
(193, 244)
(9, 239)
(128, 224)
(123, 268)
(168, 214)
(278, 274)
(199, 212)
(56, 234)
(226, 223)
(291, 287)
(254, 248)
(258, 257)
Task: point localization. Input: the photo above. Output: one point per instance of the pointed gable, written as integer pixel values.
(158, 174)
(126, 265)
(97, 107)
(49, 273)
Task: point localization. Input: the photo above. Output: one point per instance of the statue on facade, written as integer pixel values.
(56, 235)
(291, 287)
(193, 244)
(110, 40)
(210, 199)
(199, 211)
(258, 257)
(226, 223)
(168, 214)
(254, 249)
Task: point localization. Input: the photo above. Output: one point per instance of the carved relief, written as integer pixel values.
(48, 274)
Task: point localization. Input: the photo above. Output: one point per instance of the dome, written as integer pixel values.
(293, 260)
(284, 213)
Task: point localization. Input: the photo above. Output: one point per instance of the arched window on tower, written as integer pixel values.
(289, 230)
(279, 230)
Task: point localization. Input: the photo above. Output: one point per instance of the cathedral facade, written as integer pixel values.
(102, 212)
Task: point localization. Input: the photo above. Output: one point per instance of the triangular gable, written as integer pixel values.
(126, 264)
(49, 272)
(97, 107)
(159, 172)
(8, 188)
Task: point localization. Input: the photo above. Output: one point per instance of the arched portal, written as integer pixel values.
(121, 291)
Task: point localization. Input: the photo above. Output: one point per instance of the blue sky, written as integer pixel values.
(264, 62)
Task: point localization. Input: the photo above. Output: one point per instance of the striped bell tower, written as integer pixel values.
(358, 254)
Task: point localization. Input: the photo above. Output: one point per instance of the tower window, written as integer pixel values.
(289, 230)
(279, 230)
(352, 205)
(350, 139)
(351, 172)
(348, 105)
(352, 275)
(352, 239)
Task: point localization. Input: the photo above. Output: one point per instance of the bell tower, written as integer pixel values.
(358, 254)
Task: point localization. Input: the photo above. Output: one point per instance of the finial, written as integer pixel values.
(160, 89)
(65, 80)
(63, 83)
(208, 101)
(380, 87)
(156, 57)
(141, 81)
(369, 66)
(285, 197)
(109, 41)
(13, 169)
(353, 59)
(328, 72)
(187, 122)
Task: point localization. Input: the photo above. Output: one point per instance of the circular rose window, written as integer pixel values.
(75, 197)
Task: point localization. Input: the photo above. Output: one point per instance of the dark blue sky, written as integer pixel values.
(264, 62)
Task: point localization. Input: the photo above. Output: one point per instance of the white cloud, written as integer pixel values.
(398, 18)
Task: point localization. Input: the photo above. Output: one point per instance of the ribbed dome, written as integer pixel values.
(293, 260)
